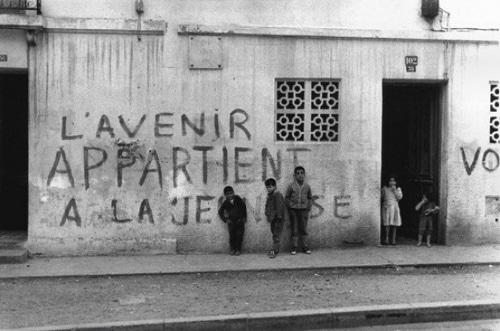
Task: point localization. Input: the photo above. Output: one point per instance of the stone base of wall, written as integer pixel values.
(100, 246)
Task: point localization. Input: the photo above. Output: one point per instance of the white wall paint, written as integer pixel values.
(85, 76)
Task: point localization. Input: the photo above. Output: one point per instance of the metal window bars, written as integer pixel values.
(16, 5)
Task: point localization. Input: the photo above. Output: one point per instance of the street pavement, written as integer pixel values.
(483, 325)
(340, 258)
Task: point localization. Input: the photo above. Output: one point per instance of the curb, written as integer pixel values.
(365, 267)
(310, 319)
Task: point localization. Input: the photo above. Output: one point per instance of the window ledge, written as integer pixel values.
(111, 26)
(26, 22)
(83, 25)
(492, 36)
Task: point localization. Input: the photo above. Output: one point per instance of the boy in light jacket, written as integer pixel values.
(298, 197)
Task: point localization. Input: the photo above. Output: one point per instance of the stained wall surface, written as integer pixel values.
(130, 146)
(13, 49)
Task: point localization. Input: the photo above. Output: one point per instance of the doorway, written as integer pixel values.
(411, 148)
(14, 151)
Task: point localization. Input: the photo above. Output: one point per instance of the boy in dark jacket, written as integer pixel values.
(234, 212)
(275, 212)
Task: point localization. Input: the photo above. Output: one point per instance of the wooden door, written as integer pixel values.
(14, 152)
(410, 149)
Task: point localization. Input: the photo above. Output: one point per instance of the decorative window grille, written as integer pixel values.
(17, 5)
(307, 110)
(494, 114)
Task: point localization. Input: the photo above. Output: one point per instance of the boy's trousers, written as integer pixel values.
(276, 230)
(236, 231)
(298, 222)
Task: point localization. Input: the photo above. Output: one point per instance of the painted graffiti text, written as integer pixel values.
(490, 160)
(164, 126)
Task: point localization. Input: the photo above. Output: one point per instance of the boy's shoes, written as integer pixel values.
(419, 244)
(233, 252)
(428, 245)
(272, 254)
(306, 250)
(294, 250)
(237, 253)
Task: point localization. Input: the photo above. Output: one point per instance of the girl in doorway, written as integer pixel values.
(426, 208)
(391, 217)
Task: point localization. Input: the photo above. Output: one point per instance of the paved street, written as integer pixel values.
(483, 325)
(29, 302)
(349, 286)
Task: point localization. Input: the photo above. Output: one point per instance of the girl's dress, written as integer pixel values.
(390, 206)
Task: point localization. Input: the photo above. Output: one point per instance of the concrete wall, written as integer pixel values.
(346, 14)
(473, 172)
(280, 13)
(98, 94)
(125, 79)
(13, 49)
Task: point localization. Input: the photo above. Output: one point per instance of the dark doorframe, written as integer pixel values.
(411, 141)
(14, 151)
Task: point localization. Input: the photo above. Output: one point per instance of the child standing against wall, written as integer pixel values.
(426, 209)
(391, 216)
(233, 211)
(275, 212)
(298, 199)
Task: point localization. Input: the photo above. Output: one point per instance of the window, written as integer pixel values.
(307, 110)
(15, 6)
(494, 114)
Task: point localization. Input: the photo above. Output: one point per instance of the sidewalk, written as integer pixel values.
(341, 258)
(357, 257)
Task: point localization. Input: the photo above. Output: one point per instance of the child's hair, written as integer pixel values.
(393, 175)
(228, 189)
(429, 195)
(270, 182)
(299, 168)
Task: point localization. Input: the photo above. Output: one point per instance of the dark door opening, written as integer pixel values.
(13, 152)
(410, 148)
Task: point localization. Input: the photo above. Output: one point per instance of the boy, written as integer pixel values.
(426, 208)
(275, 212)
(234, 212)
(298, 199)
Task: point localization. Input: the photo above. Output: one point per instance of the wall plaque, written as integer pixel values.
(205, 52)
(492, 210)
(411, 62)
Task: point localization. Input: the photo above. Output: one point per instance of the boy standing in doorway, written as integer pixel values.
(426, 209)
(298, 199)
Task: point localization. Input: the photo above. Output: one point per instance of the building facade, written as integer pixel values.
(136, 115)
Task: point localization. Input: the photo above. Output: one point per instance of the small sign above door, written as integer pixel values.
(3, 57)
(411, 62)
(205, 52)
